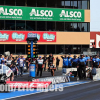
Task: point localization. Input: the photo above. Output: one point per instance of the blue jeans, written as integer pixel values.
(21, 70)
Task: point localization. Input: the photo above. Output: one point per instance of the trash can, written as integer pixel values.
(32, 70)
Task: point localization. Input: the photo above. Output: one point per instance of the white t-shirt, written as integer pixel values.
(9, 62)
(21, 63)
(40, 62)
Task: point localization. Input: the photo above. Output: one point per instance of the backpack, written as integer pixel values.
(93, 71)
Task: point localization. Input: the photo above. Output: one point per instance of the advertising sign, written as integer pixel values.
(32, 35)
(32, 70)
(54, 80)
(41, 14)
(21, 36)
(95, 38)
(25, 85)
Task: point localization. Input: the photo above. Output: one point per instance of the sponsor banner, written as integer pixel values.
(54, 80)
(32, 69)
(21, 36)
(95, 39)
(41, 14)
(20, 84)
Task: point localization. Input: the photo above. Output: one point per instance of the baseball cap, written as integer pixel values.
(39, 56)
(74, 56)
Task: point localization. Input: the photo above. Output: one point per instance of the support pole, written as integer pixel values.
(31, 51)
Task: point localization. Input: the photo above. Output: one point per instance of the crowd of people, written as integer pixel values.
(81, 63)
(42, 62)
(16, 64)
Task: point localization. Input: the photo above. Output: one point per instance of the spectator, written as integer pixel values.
(1, 59)
(27, 64)
(90, 62)
(65, 64)
(82, 67)
(57, 62)
(11, 55)
(17, 64)
(52, 68)
(69, 61)
(74, 61)
(14, 69)
(45, 60)
(13, 61)
(9, 61)
(40, 65)
(50, 60)
(5, 60)
(96, 62)
(21, 64)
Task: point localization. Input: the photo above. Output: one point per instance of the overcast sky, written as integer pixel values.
(95, 15)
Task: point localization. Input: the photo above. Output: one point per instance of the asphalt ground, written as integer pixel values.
(80, 90)
(86, 91)
(44, 74)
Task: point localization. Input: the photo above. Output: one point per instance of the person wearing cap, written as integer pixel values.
(40, 65)
(21, 64)
(96, 62)
(69, 61)
(74, 61)
(82, 67)
(74, 65)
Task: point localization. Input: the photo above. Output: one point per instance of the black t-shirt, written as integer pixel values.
(57, 61)
(13, 62)
(27, 61)
(50, 59)
(44, 58)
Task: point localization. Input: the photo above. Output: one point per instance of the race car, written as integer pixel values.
(5, 73)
